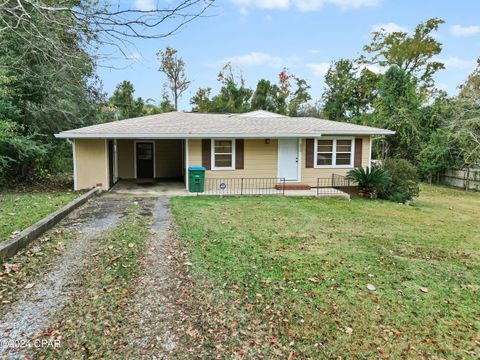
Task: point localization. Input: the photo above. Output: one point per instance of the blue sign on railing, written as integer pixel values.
(222, 186)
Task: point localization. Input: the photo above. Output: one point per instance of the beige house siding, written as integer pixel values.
(125, 153)
(261, 161)
(168, 158)
(91, 163)
(310, 175)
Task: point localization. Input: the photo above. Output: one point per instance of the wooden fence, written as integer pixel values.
(468, 179)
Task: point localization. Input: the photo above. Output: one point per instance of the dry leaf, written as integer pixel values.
(29, 285)
(371, 287)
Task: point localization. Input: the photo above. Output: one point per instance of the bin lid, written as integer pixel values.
(190, 168)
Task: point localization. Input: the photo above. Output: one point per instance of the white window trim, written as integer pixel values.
(212, 154)
(334, 153)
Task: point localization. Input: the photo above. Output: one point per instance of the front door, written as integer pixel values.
(144, 160)
(288, 159)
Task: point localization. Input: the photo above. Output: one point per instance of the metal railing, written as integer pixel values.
(331, 185)
(244, 186)
(340, 181)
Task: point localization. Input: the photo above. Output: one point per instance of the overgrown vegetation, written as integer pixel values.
(48, 57)
(19, 210)
(95, 321)
(390, 85)
(403, 184)
(370, 181)
(331, 278)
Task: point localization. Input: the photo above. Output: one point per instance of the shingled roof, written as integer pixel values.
(184, 125)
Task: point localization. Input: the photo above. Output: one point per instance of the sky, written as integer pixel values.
(261, 37)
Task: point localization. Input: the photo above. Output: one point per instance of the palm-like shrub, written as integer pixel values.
(370, 181)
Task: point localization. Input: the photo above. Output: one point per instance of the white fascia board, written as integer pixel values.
(180, 136)
(66, 135)
(356, 132)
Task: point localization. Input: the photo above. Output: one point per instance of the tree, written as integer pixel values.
(234, 96)
(125, 103)
(166, 104)
(412, 53)
(48, 57)
(264, 96)
(340, 82)
(351, 91)
(435, 157)
(470, 90)
(398, 108)
(201, 100)
(291, 101)
(299, 97)
(464, 126)
(94, 23)
(174, 69)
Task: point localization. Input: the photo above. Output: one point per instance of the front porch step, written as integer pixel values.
(293, 186)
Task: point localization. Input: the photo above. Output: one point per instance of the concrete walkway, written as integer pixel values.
(173, 188)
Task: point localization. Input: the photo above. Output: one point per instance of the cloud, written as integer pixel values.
(319, 69)
(145, 5)
(314, 51)
(135, 56)
(389, 27)
(302, 5)
(454, 62)
(262, 4)
(259, 59)
(353, 4)
(459, 30)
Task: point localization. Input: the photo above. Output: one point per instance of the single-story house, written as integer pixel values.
(257, 144)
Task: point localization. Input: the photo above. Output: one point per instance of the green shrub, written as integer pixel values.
(370, 181)
(403, 185)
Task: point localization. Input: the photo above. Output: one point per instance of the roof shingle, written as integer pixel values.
(202, 125)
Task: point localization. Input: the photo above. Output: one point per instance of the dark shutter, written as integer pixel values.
(207, 154)
(357, 161)
(239, 150)
(309, 150)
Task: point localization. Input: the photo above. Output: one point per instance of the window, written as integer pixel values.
(334, 153)
(223, 154)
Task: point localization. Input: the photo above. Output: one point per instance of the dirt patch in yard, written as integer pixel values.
(34, 305)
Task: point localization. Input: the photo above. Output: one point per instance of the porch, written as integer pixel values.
(228, 187)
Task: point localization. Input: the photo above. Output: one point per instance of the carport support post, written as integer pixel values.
(186, 164)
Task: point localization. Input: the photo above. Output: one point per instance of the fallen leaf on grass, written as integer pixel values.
(371, 287)
(11, 268)
(29, 285)
(348, 330)
(423, 289)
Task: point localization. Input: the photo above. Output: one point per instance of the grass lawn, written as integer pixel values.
(95, 321)
(291, 274)
(19, 210)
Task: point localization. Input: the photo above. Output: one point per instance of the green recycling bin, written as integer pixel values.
(196, 179)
